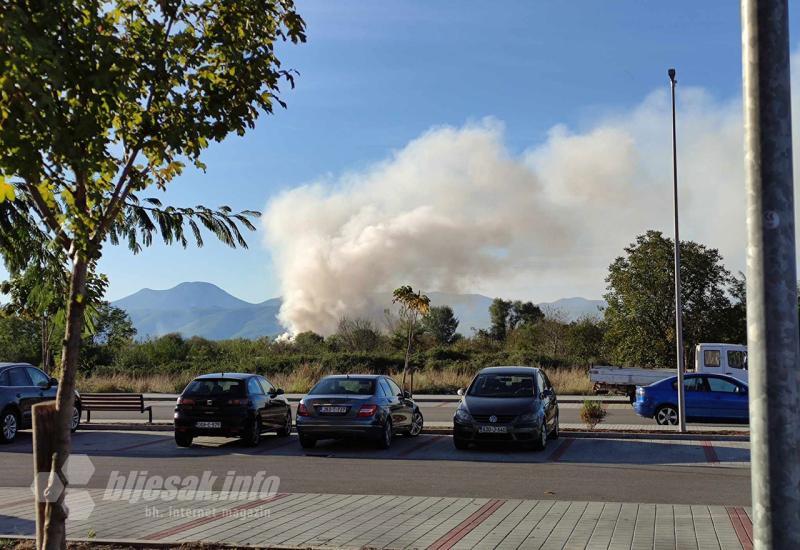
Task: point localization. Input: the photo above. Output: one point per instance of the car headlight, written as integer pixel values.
(462, 415)
(528, 418)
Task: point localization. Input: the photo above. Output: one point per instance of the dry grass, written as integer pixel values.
(154, 383)
(567, 381)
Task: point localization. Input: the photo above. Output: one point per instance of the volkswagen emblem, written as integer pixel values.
(209, 402)
(493, 419)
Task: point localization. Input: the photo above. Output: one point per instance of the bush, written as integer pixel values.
(592, 413)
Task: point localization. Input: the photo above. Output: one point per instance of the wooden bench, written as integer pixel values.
(114, 402)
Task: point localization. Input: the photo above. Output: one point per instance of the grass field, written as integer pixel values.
(567, 381)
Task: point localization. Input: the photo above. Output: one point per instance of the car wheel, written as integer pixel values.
(416, 424)
(253, 435)
(667, 416)
(183, 439)
(541, 443)
(307, 442)
(555, 433)
(286, 429)
(460, 444)
(385, 440)
(9, 424)
(76, 419)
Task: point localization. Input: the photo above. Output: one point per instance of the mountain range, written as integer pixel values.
(204, 309)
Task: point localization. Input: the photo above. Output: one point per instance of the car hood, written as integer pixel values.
(499, 405)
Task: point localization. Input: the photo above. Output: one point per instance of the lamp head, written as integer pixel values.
(671, 74)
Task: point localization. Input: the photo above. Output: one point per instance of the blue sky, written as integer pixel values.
(375, 75)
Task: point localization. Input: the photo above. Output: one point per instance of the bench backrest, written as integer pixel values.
(118, 401)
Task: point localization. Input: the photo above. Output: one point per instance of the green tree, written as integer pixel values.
(499, 311)
(524, 313)
(111, 331)
(101, 100)
(640, 316)
(19, 339)
(585, 340)
(309, 342)
(441, 323)
(413, 305)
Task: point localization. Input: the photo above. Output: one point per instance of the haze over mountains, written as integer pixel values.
(204, 309)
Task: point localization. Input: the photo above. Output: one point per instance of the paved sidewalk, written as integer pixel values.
(375, 521)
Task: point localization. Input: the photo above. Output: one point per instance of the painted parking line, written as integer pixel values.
(711, 454)
(160, 535)
(145, 444)
(556, 455)
(451, 538)
(421, 445)
(742, 525)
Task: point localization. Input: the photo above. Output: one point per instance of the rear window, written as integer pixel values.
(215, 386)
(344, 386)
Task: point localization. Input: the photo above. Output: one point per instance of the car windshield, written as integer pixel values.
(502, 385)
(215, 387)
(344, 386)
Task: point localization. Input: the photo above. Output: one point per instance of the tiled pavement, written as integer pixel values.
(375, 521)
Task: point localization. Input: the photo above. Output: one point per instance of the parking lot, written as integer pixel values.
(703, 471)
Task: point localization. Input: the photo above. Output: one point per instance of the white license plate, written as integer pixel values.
(332, 410)
(493, 429)
(208, 424)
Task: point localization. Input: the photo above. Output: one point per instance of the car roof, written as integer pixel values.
(233, 375)
(369, 376)
(511, 369)
(5, 365)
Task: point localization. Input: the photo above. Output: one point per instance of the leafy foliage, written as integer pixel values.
(441, 323)
(641, 301)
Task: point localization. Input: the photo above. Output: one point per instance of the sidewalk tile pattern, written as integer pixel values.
(389, 521)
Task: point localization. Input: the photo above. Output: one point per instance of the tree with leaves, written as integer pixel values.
(413, 305)
(640, 317)
(506, 316)
(441, 323)
(102, 100)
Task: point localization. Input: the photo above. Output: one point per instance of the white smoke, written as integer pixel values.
(454, 210)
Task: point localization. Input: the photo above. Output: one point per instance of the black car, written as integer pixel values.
(21, 387)
(515, 404)
(361, 406)
(231, 405)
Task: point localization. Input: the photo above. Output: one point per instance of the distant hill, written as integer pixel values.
(200, 309)
(204, 309)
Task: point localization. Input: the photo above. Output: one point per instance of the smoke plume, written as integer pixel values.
(456, 210)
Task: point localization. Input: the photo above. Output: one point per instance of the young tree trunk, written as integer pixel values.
(52, 432)
(408, 352)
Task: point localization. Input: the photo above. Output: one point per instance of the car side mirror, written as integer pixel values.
(547, 392)
(52, 382)
(279, 391)
(406, 395)
(460, 392)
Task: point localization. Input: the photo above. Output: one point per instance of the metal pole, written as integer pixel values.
(678, 301)
(772, 327)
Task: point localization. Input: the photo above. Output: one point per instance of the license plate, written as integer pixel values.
(208, 424)
(493, 429)
(332, 410)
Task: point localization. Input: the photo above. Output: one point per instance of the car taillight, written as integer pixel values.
(238, 401)
(302, 410)
(185, 401)
(367, 410)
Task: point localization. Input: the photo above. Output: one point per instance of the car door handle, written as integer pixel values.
(19, 395)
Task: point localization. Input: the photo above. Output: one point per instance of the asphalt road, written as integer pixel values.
(433, 412)
(658, 471)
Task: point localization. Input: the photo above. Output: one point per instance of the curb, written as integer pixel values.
(721, 435)
(445, 398)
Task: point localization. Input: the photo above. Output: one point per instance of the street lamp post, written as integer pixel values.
(678, 304)
(772, 324)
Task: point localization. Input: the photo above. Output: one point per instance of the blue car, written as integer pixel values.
(709, 397)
